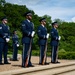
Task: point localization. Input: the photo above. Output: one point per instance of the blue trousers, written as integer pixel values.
(3, 50)
(15, 51)
(54, 54)
(42, 49)
(25, 54)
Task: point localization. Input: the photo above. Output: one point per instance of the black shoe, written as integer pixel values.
(23, 66)
(30, 65)
(7, 63)
(46, 63)
(15, 60)
(1, 64)
(40, 64)
(53, 62)
(57, 62)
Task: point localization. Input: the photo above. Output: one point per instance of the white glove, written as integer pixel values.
(59, 38)
(33, 32)
(7, 39)
(47, 36)
(17, 45)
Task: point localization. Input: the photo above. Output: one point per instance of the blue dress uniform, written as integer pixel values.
(54, 44)
(27, 28)
(42, 33)
(15, 40)
(4, 33)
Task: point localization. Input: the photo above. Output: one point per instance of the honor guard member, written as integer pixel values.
(54, 42)
(28, 33)
(43, 36)
(4, 39)
(15, 40)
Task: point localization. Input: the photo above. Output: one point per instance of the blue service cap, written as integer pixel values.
(14, 30)
(4, 18)
(42, 19)
(28, 14)
(54, 23)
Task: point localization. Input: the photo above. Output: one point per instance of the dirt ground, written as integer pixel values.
(17, 64)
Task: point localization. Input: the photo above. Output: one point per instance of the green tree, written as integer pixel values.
(2, 2)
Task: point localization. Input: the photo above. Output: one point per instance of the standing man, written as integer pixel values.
(15, 40)
(28, 33)
(4, 39)
(54, 42)
(43, 36)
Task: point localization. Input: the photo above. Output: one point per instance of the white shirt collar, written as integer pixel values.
(43, 25)
(28, 20)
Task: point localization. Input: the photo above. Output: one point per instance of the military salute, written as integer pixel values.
(54, 42)
(15, 40)
(4, 39)
(43, 36)
(28, 33)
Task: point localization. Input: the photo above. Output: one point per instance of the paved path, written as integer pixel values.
(53, 69)
(16, 65)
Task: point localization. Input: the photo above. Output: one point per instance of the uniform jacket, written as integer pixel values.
(4, 32)
(54, 37)
(27, 28)
(15, 39)
(42, 32)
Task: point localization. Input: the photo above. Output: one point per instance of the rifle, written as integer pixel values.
(44, 58)
(26, 62)
(28, 53)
